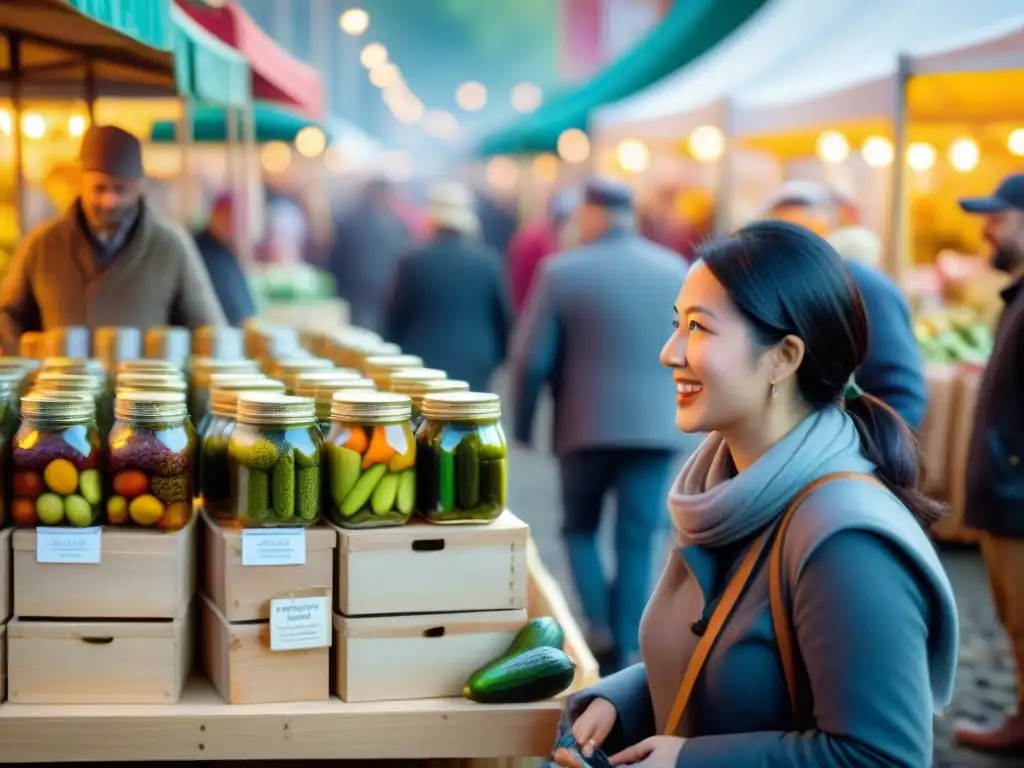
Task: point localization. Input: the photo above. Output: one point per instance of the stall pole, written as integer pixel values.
(14, 43)
(898, 256)
(90, 89)
(183, 134)
(726, 172)
(252, 221)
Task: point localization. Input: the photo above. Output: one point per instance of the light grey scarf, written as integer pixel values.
(711, 505)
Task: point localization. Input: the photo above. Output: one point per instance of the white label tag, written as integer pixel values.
(274, 546)
(300, 623)
(68, 545)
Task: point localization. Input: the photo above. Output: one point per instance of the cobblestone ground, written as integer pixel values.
(985, 681)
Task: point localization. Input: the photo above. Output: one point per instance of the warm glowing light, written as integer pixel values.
(964, 155)
(573, 145)
(471, 96)
(354, 21)
(33, 126)
(162, 162)
(502, 173)
(1015, 142)
(707, 143)
(877, 151)
(385, 75)
(373, 55)
(832, 147)
(526, 97)
(310, 141)
(545, 167)
(440, 124)
(6, 123)
(633, 156)
(275, 156)
(921, 156)
(76, 125)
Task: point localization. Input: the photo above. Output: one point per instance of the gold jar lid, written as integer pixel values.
(20, 364)
(375, 363)
(367, 407)
(229, 379)
(301, 379)
(274, 409)
(203, 368)
(75, 365)
(315, 387)
(402, 375)
(455, 406)
(58, 409)
(384, 348)
(150, 407)
(68, 382)
(285, 368)
(417, 389)
(149, 367)
(150, 382)
(224, 398)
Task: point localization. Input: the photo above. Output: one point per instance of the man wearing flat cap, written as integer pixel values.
(593, 327)
(109, 260)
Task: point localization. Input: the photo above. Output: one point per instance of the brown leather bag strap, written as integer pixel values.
(733, 592)
(781, 620)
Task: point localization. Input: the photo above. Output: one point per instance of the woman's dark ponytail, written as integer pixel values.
(890, 445)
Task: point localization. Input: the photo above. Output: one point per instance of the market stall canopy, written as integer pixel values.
(697, 94)
(209, 124)
(687, 31)
(277, 76)
(848, 81)
(56, 46)
(206, 68)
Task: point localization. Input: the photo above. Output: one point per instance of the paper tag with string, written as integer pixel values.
(300, 619)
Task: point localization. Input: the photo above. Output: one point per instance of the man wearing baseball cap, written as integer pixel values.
(109, 260)
(994, 503)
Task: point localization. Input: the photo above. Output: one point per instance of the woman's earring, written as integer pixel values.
(775, 391)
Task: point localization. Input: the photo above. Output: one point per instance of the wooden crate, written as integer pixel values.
(383, 658)
(935, 432)
(5, 574)
(423, 568)
(243, 593)
(142, 574)
(951, 528)
(3, 663)
(238, 660)
(98, 662)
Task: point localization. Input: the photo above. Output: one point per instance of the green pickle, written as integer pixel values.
(461, 469)
(369, 462)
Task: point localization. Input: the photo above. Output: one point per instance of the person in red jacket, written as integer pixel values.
(534, 242)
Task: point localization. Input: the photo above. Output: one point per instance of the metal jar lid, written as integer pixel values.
(417, 389)
(149, 367)
(461, 405)
(402, 375)
(76, 365)
(68, 382)
(375, 363)
(58, 409)
(224, 398)
(296, 378)
(150, 382)
(273, 409)
(367, 407)
(325, 388)
(19, 364)
(150, 407)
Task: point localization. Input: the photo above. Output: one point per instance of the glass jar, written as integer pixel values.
(168, 343)
(67, 341)
(53, 382)
(150, 382)
(346, 345)
(31, 345)
(113, 343)
(270, 341)
(462, 474)
(93, 368)
(202, 369)
(151, 459)
(302, 379)
(227, 381)
(222, 342)
(377, 366)
(322, 391)
(274, 461)
(417, 390)
(7, 416)
(55, 461)
(410, 374)
(150, 367)
(287, 369)
(213, 441)
(370, 464)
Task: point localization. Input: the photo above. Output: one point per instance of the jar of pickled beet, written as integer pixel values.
(417, 390)
(370, 464)
(377, 367)
(461, 469)
(322, 391)
(70, 383)
(151, 457)
(55, 461)
(400, 375)
(214, 485)
(94, 369)
(274, 461)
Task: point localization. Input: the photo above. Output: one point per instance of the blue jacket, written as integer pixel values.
(592, 330)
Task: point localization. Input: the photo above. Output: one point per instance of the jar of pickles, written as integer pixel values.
(417, 390)
(322, 391)
(274, 461)
(151, 458)
(214, 486)
(31, 345)
(150, 382)
(202, 369)
(150, 367)
(461, 471)
(55, 457)
(170, 343)
(113, 343)
(288, 368)
(294, 381)
(371, 460)
(222, 342)
(378, 366)
(238, 381)
(410, 374)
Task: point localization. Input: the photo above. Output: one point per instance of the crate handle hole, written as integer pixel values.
(434, 632)
(428, 545)
(98, 640)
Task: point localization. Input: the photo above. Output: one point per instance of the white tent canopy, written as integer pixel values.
(852, 75)
(696, 94)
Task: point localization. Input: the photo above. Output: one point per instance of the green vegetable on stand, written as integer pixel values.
(345, 466)
(308, 492)
(282, 489)
(384, 494)
(542, 632)
(363, 490)
(534, 675)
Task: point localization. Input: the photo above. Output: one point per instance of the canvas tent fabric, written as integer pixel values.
(207, 69)
(688, 30)
(277, 76)
(851, 79)
(209, 125)
(59, 45)
(698, 93)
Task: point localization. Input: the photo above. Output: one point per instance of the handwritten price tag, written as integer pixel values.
(300, 623)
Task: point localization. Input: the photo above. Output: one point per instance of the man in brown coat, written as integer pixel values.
(109, 260)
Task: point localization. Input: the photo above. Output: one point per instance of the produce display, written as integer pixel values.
(533, 668)
(274, 461)
(462, 458)
(59, 381)
(370, 460)
(151, 457)
(55, 460)
(954, 336)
